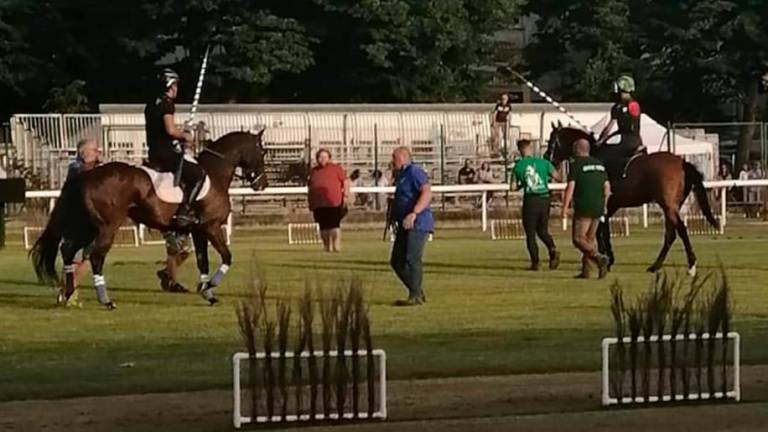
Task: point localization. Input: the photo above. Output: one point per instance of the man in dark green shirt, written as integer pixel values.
(589, 189)
(532, 174)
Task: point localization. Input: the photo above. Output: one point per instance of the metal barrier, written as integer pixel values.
(439, 140)
(479, 189)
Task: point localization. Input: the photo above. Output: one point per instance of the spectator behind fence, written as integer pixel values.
(328, 195)
(532, 174)
(356, 180)
(380, 199)
(589, 189)
(743, 175)
(467, 173)
(724, 173)
(499, 119)
(485, 176)
(414, 224)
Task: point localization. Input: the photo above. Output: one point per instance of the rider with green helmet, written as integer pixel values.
(625, 113)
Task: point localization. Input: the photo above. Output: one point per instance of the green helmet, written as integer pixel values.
(624, 84)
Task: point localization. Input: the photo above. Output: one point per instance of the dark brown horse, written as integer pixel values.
(663, 178)
(93, 206)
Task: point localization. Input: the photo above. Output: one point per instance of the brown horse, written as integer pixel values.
(663, 178)
(93, 206)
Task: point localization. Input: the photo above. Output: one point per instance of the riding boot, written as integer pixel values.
(185, 216)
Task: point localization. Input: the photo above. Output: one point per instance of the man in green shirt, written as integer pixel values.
(532, 174)
(589, 189)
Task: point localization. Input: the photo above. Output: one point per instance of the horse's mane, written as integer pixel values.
(578, 133)
(218, 144)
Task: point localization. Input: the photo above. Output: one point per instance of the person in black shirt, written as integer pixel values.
(499, 118)
(165, 142)
(467, 173)
(625, 113)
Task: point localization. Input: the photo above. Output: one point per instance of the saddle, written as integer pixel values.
(164, 188)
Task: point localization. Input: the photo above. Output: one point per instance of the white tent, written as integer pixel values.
(700, 153)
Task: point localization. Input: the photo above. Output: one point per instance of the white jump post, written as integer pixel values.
(723, 206)
(485, 211)
(645, 215)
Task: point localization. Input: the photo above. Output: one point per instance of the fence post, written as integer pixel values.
(723, 206)
(670, 131)
(442, 162)
(376, 160)
(2, 225)
(645, 215)
(485, 210)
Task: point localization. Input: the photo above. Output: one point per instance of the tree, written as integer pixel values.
(724, 44)
(398, 50)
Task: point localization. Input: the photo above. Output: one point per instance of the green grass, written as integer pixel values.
(485, 315)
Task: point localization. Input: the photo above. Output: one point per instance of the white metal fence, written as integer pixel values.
(477, 189)
(439, 140)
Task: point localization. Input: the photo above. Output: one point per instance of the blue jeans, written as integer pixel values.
(407, 252)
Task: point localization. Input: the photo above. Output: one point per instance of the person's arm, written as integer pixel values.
(173, 131)
(607, 194)
(554, 174)
(425, 197)
(606, 129)
(567, 198)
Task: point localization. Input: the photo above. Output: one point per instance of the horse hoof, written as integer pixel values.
(692, 271)
(110, 306)
(652, 269)
(213, 301)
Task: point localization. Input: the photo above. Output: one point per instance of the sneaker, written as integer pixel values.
(554, 260)
(412, 301)
(603, 263)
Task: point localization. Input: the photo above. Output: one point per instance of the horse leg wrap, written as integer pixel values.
(101, 289)
(219, 275)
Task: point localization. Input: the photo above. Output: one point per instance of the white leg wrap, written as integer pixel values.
(219, 275)
(69, 268)
(101, 289)
(204, 278)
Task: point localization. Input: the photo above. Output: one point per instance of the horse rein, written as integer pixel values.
(237, 176)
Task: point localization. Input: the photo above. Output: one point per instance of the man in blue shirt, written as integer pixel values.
(414, 221)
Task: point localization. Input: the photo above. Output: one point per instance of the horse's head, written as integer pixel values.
(251, 161)
(560, 142)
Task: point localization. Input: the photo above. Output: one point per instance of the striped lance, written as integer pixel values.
(193, 111)
(549, 99)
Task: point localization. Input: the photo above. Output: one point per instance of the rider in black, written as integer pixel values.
(166, 144)
(626, 114)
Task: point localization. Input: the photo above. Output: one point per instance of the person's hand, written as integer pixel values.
(564, 213)
(409, 221)
(187, 136)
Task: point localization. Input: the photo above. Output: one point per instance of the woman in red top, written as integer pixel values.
(328, 188)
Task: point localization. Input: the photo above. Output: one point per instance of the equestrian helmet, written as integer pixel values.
(624, 84)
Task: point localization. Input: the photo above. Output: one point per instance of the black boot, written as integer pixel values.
(185, 215)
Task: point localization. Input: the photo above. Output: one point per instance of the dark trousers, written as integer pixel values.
(536, 222)
(407, 252)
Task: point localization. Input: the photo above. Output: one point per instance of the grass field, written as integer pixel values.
(485, 316)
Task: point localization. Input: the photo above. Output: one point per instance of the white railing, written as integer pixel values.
(482, 189)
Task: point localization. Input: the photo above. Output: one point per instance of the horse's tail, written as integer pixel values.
(67, 215)
(695, 180)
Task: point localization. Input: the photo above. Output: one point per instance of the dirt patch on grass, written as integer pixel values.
(522, 402)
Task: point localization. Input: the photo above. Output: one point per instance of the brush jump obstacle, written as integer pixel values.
(351, 410)
(672, 343)
(126, 236)
(698, 225)
(303, 233)
(507, 229)
(727, 377)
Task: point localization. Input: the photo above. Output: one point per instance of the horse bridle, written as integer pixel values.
(251, 178)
